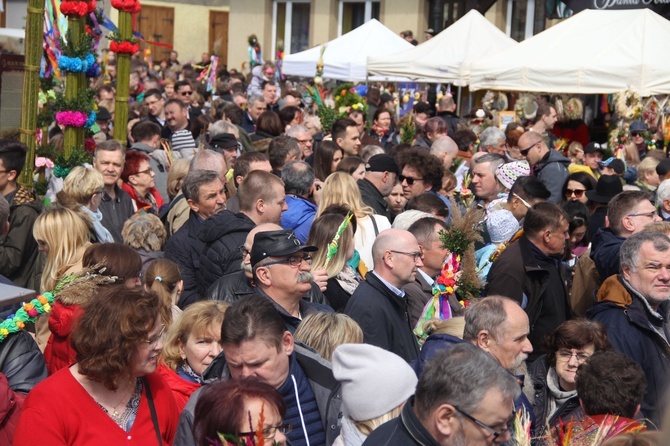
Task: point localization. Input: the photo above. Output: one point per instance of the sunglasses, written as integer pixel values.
(576, 192)
(634, 134)
(525, 151)
(409, 180)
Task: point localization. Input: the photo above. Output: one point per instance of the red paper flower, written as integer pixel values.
(74, 8)
(124, 47)
(131, 6)
(89, 145)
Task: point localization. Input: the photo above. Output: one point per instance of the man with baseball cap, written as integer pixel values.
(593, 155)
(282, 273)
(381, 173)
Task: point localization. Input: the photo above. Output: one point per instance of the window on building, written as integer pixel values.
(354, 13)
(290, 25)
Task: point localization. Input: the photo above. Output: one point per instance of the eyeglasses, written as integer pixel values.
(409, 180)
(486, 427)
(525, 203)
(154, 341)
(634, 134)
(244, 251)
(650, 214)
(525, 151)
(565, 355)
(293, 261)
(147, 171)
(415, 255)
(576, 192)
(270, 432)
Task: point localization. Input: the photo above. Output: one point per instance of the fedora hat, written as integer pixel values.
(607, 187)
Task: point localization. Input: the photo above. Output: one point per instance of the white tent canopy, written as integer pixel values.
(448, 56)
(345, 58)
(592, 52)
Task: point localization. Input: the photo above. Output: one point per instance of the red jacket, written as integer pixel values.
(11, 404)
(139, 203)
(181, 388)
(58, 411)
(59, 352)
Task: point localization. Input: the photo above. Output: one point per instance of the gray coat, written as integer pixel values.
(319, 373)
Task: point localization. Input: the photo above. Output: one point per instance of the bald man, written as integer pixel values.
(445, 149)
(379, 304)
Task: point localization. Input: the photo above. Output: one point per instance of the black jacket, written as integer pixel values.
(317, 370)
(373, 198)
(305, 308)
(115, 212)
(569, 410)
(184, 248)
(383, 317)
(222, 234)
(22, 362)
(406, 430)
(452, 120)
(605, 247)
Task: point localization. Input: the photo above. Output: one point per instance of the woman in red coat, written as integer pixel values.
(191, 345)
(111, 396)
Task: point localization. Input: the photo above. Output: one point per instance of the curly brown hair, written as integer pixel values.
(115, 322)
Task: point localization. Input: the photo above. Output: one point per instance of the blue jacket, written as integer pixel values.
(631, 332)
(299, 216)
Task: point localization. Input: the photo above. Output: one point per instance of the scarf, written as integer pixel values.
(101, 233)
(186, 372)
(350, 434)
(557, 396)
(348, 279)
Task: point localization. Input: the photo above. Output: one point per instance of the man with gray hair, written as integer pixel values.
(485, 184)
(492, 140)
(641, 329)
(204, 193)
(305, 141)
(663, 200)
(445, 149)
(463, 398)
(298, 178)
(256, 107)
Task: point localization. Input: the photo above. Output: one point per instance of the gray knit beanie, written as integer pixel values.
(374, 381)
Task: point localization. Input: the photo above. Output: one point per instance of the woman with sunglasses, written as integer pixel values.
(576, 186)
(111, 396)
(240, 411)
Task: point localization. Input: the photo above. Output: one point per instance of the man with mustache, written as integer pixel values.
(379, 304)
(499, 326)
(282, 274)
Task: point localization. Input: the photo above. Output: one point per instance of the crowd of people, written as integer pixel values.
(234, 273)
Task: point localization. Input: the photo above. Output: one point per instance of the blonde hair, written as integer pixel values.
(144, 231)
(197, 319)
(453, 326)
(341, 188)
(659, 226)
(82, 183)
(647, 165)
(162, 277)
(367, 426)
(64, 232)
(575, 149)
(324, 332)
(631, 155)
(175, 178)
(323, 230)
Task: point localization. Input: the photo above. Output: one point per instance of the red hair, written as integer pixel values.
(132, 165)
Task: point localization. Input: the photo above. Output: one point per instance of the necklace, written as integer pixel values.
(111, 409)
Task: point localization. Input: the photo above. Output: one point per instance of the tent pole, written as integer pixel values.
(459, 101)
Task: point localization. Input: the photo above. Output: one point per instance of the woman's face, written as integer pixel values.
(576, 192)
(144, 178)
(145, 359)
(272, 420)
(652, 178)
(337, 157)
(577, 235)
(200, 350)
(396, 199)
(566, 366)
(359, 173)
(384, 120)
(169, 91)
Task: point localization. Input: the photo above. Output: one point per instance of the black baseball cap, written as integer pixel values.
(382, 163)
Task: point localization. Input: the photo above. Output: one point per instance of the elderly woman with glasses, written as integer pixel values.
(554, 375)
(138, 182)
(111, 396)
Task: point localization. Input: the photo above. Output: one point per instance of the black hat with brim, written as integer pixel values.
(280, 243)
(608, 187)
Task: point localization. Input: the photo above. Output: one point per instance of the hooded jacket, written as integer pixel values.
(222, 235)
(605, 248)
(552, 170)
(299, 216)
(11, 404)
(181, 388)
(318, 372)
(18, 249)
(634, 330)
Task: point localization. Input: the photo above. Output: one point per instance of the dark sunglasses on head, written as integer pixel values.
(409, 180)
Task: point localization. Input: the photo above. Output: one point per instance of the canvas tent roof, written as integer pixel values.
(447, 57)
(345, 58)
(591, 52)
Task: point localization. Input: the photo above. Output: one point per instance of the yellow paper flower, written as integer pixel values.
(47, 308)
(355, 106)
(4, 332)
